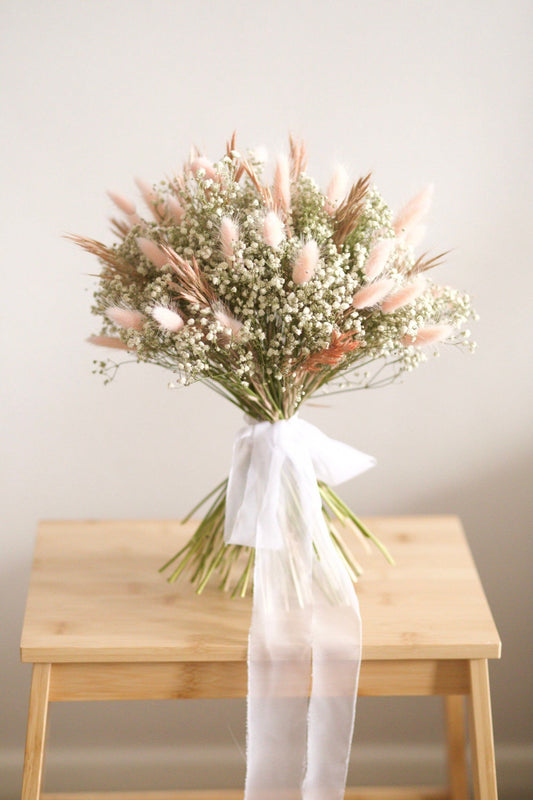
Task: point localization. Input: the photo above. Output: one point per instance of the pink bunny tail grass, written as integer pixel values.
(273, 230)
(227, 321)
(126, 317)
(379, 255)
(337, 189)
(109, 341)
(229, 234)
(127, 207)
(412, 214)
(201, 162)
(413, 236)
(372, 294)
(403, 297)
(282, 187)
(175, 210)
(168, 319)
(152, 252)
(259, 154)
(306, 263)
(150, 198)
(429, 335)
(122, 203)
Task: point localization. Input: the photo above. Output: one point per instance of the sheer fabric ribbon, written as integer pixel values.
(306, 629)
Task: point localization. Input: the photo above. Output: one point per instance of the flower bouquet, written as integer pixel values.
(272, 293)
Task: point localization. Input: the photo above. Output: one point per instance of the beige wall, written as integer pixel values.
(94, 93)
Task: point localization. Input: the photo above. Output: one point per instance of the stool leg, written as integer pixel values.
(481, 737)
(456, 746)
(36, 732)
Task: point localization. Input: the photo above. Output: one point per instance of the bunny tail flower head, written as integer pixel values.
(337, 188)
(168, 319)
(202, 163)
(175, 209)
(152, 252)
(229, 235)
(123, 203)
(152, 200)
(429, 335)
(126, 318)
(379, 255)
(282, 193)
(108, 341)
(273, 229)
(229, 323)
(306, 263)
(404, 296)
(412, 214)
(372, 294)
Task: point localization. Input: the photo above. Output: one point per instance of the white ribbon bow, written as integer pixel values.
(305, 624)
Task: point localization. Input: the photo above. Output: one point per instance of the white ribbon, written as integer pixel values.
(305, 629)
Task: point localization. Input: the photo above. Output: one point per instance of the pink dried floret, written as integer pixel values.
(126, 317)
(168, 319)
(372, 294)
(306, 263)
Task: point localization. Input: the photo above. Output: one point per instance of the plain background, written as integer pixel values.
(95, 93)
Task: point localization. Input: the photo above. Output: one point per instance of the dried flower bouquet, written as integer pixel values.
(270, 294)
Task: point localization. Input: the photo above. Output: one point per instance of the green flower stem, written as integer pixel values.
(354, 568)
(342, 511)
(221, 485)
(206, 553)
(242, 584)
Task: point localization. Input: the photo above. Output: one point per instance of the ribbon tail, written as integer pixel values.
(336, 654)
(279, 673)
(279, 657)
(305, 615)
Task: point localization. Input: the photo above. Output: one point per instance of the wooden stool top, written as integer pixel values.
(96, 595)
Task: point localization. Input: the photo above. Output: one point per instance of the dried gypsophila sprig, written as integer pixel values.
(271, 293)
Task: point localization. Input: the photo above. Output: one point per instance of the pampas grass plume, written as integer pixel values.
(229, 234)
(372, 294)
(168, 319)
(306, 263)
(273, 230)
(151, 251)
(126, 317)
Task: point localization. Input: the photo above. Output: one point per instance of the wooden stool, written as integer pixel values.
(102, 624)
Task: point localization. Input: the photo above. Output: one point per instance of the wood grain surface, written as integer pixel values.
(96, 595)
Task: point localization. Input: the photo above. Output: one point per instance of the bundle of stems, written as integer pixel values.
(207, 554)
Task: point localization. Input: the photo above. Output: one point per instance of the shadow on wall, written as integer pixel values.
(497, 514)
(16, 677)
